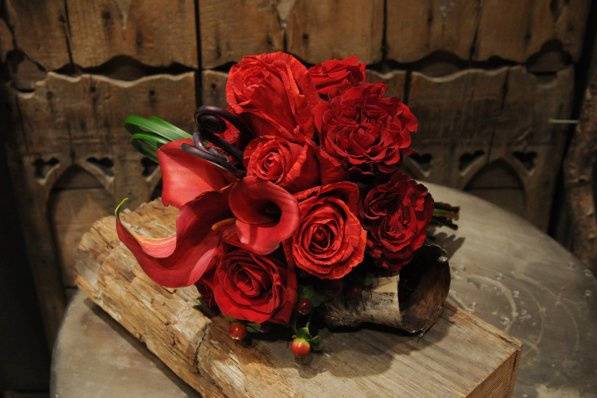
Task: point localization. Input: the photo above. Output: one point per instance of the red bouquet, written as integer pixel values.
(290, 198)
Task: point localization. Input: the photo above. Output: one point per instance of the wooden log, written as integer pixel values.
(153, 32)
(460, 355)
(319, 30)
(235, 28)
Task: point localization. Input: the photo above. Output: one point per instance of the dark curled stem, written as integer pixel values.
(211, 123)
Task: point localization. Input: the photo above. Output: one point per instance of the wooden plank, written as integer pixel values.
(39, 29)
(481, 30)
(415, 29)
(235, 28)
(517, 30)
(214, 88)
(458, 356)
(319, 30)
(153, 32)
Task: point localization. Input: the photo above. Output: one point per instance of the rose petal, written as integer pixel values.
(181, 260)
(184, 176)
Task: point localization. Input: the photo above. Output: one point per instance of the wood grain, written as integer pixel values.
(458, 356)
(416, 29)
(214, 88)
(235, 28)
(40, 31)
(357, 29)
(481, 30)
(153, 32)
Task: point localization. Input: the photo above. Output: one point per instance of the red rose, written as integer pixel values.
(396, 215)
(274, 95)
(363, 133)
(334, 76)
(290, 165)
(330, 240)
(254, 288)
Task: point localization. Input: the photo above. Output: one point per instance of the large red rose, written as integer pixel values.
(396, 215)
(274, 94)
(254, 288)
(363, 132)
(334, 76)
(330, 240)
(292, 166)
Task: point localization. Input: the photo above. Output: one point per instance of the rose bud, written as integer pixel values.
(300, 347)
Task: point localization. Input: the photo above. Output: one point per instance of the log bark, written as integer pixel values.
(411, 301)
(360, 363)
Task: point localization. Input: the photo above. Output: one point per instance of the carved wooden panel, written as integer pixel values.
(154, 32)
(476, 120)
(77, 201)
(89, 110)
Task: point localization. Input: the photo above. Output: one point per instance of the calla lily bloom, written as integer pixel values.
(215, 208)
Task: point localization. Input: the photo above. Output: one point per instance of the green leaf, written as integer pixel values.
(156, 126)
(120, 206)
(146, 150)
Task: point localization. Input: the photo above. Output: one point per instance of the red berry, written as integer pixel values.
(237, 331)
(300, 347)
(304, 306)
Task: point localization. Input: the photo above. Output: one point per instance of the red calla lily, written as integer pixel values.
(250, 213)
